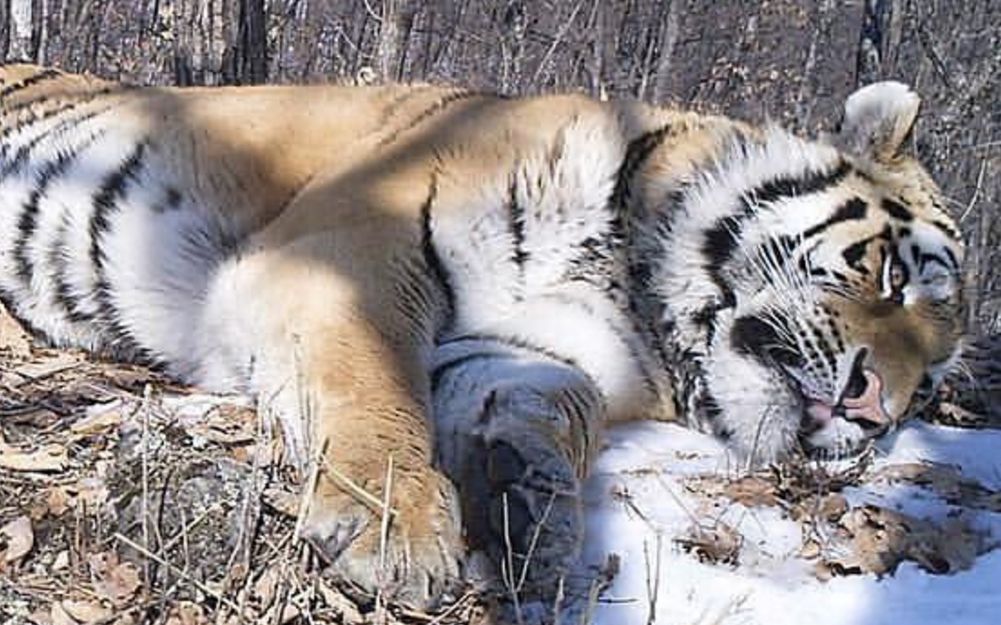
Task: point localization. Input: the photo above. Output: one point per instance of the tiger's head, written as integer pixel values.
(812, 289)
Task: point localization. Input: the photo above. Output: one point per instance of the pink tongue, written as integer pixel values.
(819, 411)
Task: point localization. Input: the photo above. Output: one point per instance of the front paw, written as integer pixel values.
(410, 554)
(522, 506)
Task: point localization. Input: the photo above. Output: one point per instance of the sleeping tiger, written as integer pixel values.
(524, 271)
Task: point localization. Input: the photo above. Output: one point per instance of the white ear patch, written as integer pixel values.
(877, 119)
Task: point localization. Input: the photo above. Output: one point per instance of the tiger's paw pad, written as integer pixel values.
(417, 561)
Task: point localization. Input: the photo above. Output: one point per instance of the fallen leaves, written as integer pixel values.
(752, 490)
(880, 539)
(115, 581)
(98, 421)
(48, 459)
(841, 538)
(86, 611)
(718, 543)
(944, 480)
(16, 539)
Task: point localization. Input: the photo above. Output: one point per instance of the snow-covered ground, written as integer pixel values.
(638, 505)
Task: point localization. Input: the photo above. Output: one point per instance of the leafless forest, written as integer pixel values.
(788, 60)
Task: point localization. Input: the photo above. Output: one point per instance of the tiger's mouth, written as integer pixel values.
(866, 409)
(859, 403)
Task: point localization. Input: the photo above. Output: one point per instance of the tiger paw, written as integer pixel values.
(411, 553)
(521, 502)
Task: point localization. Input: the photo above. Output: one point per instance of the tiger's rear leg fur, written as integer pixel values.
(515, 429)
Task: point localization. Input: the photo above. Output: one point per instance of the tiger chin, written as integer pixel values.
(455, 292)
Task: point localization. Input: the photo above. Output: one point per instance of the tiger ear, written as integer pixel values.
(877, 120)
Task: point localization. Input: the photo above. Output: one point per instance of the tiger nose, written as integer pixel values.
(861, 399)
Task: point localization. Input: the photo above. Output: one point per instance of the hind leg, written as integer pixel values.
(515, 430)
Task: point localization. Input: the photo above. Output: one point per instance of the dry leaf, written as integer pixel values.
(718, 544)
(114, 581)
(880, 539)
(57, 501)
(225, 425)
(40, 617)
(62, 561)
(92, 492)
(288, 614)
(187, 613)
(128, 378)
(752, 491)
(49, 459)
(281, 501)
(39, 368)
(97, 421)
(811, 549)
(947, 481)
(18, 539)
(36, 416)
(829, 508)
(346, 609)
(832, 507)
(58, 615)
(266, 585)
(86, 611)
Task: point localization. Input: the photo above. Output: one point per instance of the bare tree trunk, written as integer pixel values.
(513, 26)
(20, 47)
(669, 39)
(4, 29)
(40, 31)
(252, 54)
(395, 24)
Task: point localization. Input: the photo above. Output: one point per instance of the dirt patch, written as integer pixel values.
(125, 498)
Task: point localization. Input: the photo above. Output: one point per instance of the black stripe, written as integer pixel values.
(896, 210)
(946, 228)
(753, 336)
(788, 186)
(519, 343)
(36, 118)
(934, 259)
(60, 109)
(34, 79)
(852, 210)
(23, 153)
(441, 370)
(29, 213)
(437, 107)
(952, 258)
(516, 224)
(105, 202)
(717, 247)
(430, 252)
(59, 261)
(721, 239)
(27, 223)
(394, 105)
(10, 303)
(637, 152)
